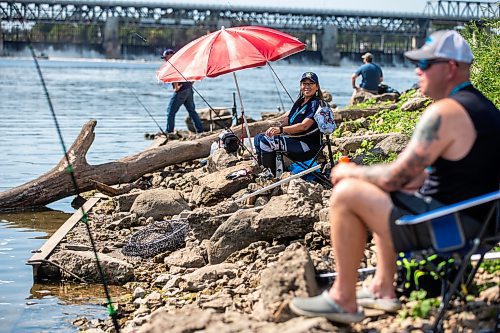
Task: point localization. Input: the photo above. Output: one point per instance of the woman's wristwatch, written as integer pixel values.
(281, 130)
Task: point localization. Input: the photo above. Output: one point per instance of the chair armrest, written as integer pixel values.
(449, 209)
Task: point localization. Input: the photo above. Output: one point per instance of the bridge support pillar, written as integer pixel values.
(1, 41)
(329, 51)
(112, 46)
(223, 23)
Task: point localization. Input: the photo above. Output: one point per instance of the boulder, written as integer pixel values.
(349, 145)
(124, 202)
(415, 104)
(292, 275)
(234, 234)
(83, 264)
(215, 187)
(395, 142)
(204, 221)
(158, 203)
(191, 257)
(220, 160)
(285, 216)
(203, 277)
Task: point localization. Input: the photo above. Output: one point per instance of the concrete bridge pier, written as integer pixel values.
(329, 40)
(1, 42)
(112, 46)
(223, 23)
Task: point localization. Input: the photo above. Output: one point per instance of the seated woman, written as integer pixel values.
(298, 134)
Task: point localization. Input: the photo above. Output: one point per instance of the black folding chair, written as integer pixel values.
(313, 156)
(448, 241)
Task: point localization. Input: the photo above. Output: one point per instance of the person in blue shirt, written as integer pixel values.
(183, 95)
(371, 74)
(298, 133)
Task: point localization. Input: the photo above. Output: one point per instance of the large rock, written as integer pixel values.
(220, 160)
(83, 264)
(124, 202)
(349, 145)
(215, 187)
(203, 277)
(395, 142)
(233, 235)
(285, 216)
(193, 319)
(191, 257)
(204, 221)
(415, 104)
(292, 275)
(159, 203)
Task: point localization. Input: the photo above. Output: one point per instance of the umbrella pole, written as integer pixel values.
(244, 121)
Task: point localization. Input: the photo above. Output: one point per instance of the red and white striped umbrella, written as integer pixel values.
(228, 50)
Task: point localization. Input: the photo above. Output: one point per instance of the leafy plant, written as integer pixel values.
(484, 40)
(422, 306)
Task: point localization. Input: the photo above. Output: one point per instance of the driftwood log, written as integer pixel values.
(56, 183)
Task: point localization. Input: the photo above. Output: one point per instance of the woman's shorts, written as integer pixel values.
(418, 237)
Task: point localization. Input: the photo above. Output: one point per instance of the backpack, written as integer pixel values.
(229, 141)
(324, 118)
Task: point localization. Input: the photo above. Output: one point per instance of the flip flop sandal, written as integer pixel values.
(367, 299)
(323, 306)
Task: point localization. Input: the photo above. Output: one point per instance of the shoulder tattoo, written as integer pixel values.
(429, 130)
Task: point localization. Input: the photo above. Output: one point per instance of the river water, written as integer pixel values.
(84, 89)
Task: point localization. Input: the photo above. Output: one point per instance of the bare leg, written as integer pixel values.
(355, 207)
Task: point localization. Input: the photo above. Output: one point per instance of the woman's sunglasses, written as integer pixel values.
(425, 64)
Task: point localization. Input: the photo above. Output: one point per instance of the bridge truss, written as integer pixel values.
(160, 13)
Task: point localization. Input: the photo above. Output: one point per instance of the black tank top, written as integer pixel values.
(479, 171)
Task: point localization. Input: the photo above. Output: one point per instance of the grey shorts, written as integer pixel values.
(418, 237)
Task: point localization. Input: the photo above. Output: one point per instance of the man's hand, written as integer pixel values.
(341, 171)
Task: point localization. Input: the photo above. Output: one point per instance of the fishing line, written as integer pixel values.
(272, 69)
(149, 113)
(240, 142)
(111, 310)
(277, 90)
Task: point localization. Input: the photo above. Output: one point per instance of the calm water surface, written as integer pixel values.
(103, 90)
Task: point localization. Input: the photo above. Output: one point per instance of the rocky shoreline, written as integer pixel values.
(239, 264)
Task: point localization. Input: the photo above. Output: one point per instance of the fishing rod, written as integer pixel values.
(277, 90)
(240, 142)
(272, 69)
(149, 113)
(85, 219)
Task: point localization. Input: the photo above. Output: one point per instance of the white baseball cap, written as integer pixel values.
(443, 44)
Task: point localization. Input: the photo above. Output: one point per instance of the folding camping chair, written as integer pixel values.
(307, 160)
(448, 241)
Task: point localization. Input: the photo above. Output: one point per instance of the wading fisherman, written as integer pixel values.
(183, 95)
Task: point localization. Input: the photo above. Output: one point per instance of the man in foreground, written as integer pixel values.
(452, 156)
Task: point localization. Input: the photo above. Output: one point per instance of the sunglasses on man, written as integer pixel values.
(425, 64)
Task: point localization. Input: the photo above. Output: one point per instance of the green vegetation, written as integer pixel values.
(420, 305)
(383, 122)
(485, 43)
(491, 266)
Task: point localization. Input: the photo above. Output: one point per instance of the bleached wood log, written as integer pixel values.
(56, 183)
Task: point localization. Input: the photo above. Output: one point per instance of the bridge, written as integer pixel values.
(329, 31)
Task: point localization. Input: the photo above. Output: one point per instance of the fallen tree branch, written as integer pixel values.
(56, 183)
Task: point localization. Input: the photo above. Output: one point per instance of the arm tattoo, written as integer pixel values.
(397, 175)
(428, 131)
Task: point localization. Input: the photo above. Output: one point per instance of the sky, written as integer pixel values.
(415, 6)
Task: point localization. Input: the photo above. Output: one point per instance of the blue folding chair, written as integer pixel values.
(448, 241)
